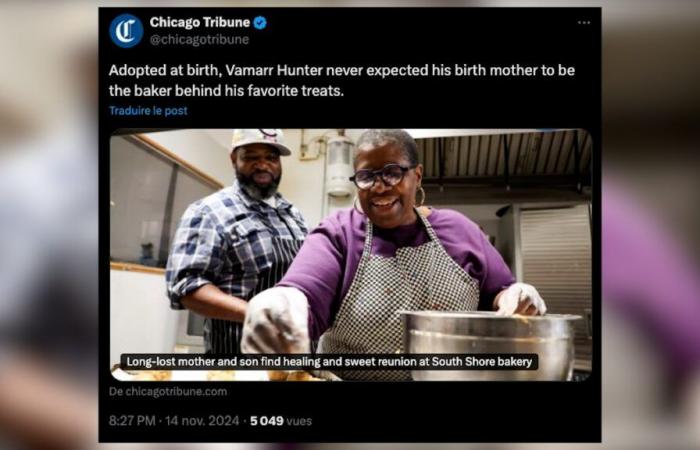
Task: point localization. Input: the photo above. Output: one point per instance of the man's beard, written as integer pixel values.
(255, 190)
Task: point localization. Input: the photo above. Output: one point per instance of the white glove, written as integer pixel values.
(276, 321)
(520, 298)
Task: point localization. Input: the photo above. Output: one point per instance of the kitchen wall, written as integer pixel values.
(204, 149)
(140, 318)
(483, 214)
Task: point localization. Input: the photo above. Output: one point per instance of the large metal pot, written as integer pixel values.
(550, 336)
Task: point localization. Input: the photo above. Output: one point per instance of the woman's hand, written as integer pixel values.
(519, 298)
(276, 321)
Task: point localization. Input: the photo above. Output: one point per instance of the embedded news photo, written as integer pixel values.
(419, 220)
(445, 292)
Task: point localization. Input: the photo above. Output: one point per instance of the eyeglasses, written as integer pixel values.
(391, 174)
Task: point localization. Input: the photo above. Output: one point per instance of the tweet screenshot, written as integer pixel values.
(350, 224)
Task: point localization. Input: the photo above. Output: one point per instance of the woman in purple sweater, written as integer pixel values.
(358, 268)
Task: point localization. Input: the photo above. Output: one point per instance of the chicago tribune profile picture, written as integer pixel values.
(126, 30)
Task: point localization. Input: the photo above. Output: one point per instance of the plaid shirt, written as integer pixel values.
(225, 239)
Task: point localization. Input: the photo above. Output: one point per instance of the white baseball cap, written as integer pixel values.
(268, 136)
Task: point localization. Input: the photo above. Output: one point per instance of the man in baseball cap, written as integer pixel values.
(237, 242)
(249, 148)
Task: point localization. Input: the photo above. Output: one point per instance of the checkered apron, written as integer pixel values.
(416, 278)
(223, 336)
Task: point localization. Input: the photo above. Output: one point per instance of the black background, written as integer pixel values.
(363, 411)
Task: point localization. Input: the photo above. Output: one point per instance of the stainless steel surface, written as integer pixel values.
(550, 336)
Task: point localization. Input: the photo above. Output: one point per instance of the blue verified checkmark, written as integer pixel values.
(260, 22)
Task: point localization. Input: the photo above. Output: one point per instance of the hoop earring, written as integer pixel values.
(422, 200)
(354, 205)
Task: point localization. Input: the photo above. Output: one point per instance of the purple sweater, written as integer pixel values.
(326, 264)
